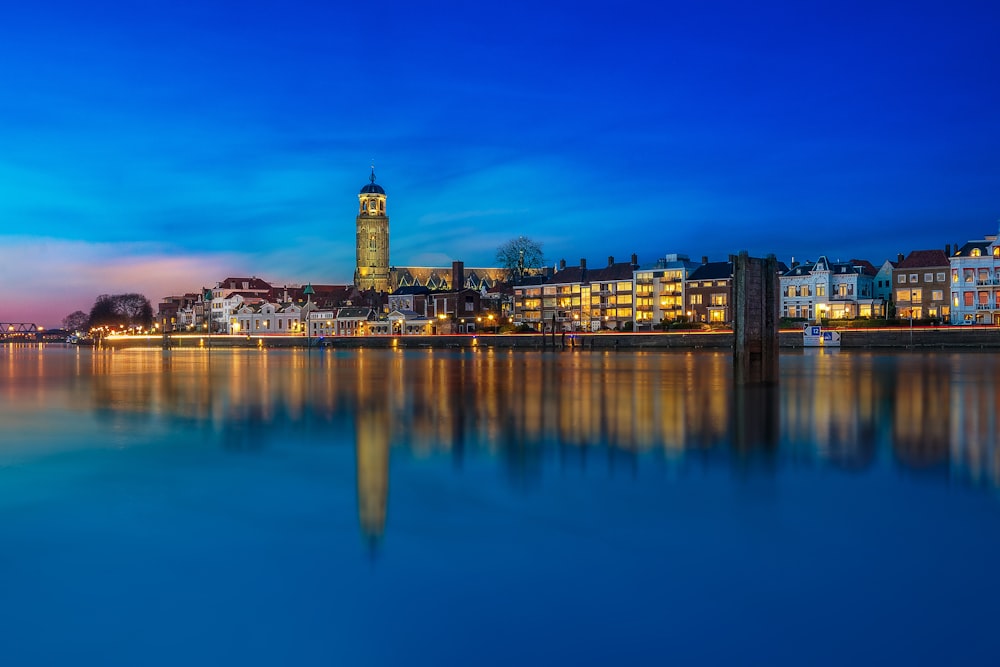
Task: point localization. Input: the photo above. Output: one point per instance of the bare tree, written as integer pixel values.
(76, 321)
(520, 256)
(121, 309)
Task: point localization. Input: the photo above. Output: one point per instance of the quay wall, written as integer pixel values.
(967, 337)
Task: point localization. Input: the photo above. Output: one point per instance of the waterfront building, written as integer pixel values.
(174, 313)
(659, 290)
(975, 282)
(709, 291)
(266, 318)
(825, 289)
(353, 321)
(882, 283)
(577, 298)
(921, 285)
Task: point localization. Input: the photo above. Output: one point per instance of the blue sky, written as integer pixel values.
(158, 147)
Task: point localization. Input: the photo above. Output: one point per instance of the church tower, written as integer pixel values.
(372, 271)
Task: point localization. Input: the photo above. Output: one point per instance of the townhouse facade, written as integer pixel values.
(975, 282)
(834, 290)
(921, 285)
(710, 293)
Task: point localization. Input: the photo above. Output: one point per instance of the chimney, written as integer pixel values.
(947, 249)
(583, 262)
(457, 276)
(704, 259)
(794, 263)
(635, 260)
(562, 264)
(611, 260)
(899, 257)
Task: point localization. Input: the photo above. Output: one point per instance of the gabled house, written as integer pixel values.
(825, 289)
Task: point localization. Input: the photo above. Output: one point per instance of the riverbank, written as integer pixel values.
(965, 337)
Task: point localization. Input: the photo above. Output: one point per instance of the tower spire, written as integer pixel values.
(372, 178)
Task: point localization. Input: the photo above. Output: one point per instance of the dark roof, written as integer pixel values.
(413, 289)
(966, 250)
(867, 268)
(924, 258)
(712, 271)
(356, 311)
(371, 188)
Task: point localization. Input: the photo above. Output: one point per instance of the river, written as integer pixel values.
(496, 507)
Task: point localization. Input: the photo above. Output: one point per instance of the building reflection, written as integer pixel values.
(935, 413)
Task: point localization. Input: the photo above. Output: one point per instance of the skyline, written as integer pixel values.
(159, 148)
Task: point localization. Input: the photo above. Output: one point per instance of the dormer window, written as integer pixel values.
(976, 252)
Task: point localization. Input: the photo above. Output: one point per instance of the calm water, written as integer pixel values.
(478, 508)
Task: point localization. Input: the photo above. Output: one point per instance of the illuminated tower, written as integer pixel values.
(373, 239)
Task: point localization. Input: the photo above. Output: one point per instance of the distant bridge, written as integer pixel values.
(18, 331)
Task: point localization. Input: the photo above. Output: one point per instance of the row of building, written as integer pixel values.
(960, 287)
(940, 285)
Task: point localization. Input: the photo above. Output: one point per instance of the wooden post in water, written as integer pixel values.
(755, 319)
(755, 352)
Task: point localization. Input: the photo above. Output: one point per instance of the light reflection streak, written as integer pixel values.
(847, 409)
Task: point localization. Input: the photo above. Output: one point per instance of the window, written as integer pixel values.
(968, 275)
(937, 295)
(976, 252)
(842, 289)
(984, 276)
(940, 277)
(916, 295)
(804, 290)
(928, 277)
(954, 299)
(967, 298)
(902, 295)
(696, 299)
(820, 290)
(901, 278)
(718, 299)
(913, 277)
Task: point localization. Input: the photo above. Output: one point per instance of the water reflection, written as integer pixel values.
(933, 413)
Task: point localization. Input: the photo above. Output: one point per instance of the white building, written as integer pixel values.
(265, 319)
(825, 289)
(975, 282)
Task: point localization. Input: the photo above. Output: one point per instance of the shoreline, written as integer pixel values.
(985, 337)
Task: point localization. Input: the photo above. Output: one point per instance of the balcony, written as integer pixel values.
(986, 306)
(988, 282)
